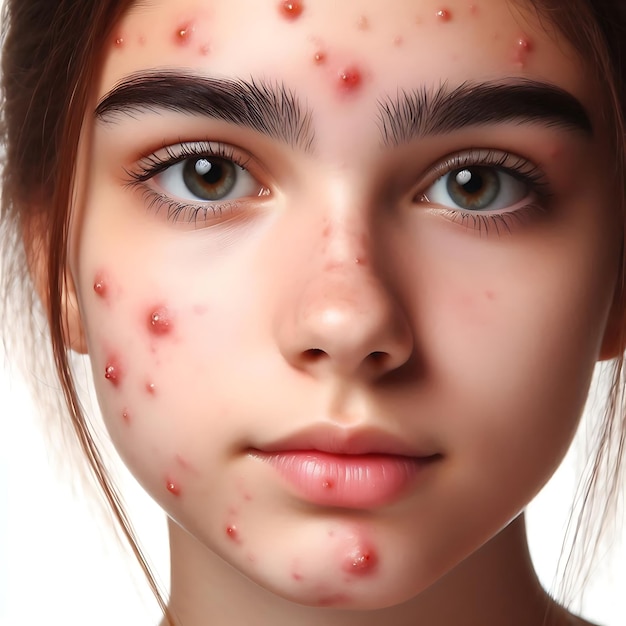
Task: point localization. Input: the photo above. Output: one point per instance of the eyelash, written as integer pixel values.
(482, 221)
(506, 163)
(152, 165)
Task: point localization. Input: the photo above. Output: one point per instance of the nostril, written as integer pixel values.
(378, 357)
(314, 354)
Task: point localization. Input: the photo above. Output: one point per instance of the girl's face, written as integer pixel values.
(343, 270)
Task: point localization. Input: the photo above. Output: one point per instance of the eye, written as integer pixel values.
(207, 178)
(478, 188)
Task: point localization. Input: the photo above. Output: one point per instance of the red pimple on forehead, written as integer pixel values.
(183, 33)
(160, 321)
(523, 47)
(444, 15)
(350, 78)
(291, 9)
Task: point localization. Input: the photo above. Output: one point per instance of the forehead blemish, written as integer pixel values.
(172, 487)
(291, 10)
(113, 371)
(444, 15)
(523, 47)
(160, 321)
(183, 33)
(350, 78)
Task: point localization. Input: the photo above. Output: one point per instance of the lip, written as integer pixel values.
(354, 470)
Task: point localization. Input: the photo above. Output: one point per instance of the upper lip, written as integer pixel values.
(336, 440)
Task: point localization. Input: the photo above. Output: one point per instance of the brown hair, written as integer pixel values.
(51, 58)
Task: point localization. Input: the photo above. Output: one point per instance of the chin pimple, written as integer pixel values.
(151, 388)
(360, 561)
(350, 78)
(113, 372)
(172, 487)
(126, 416)
(291, 10)
(319, 57)
(160, 321)
(444, 15)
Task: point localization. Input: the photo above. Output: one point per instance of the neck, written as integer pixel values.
(496, 585)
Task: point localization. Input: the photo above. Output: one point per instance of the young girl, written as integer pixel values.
(342, 271)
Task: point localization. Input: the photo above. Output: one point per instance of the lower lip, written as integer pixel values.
(348, 481)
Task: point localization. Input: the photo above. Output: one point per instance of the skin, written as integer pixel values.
(210, 338)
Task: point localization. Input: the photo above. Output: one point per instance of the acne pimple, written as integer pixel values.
(119, 41)
(183, 34)
(100, 286)
(473, 9)
(360, 561)
(444, 15)
(113, 372)
(398, 41)
(151, 388)
(233, 534)
(319, 57)
(160, 321)
(172, 487)
(126, 416)
(350, 78)
(523, 47)
(327, 483)
(205, 49)
(297, 576)
(291, 10)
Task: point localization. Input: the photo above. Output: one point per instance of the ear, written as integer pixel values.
(614, 340)
(38, 259)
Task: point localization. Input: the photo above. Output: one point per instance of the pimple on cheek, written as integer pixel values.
(100, 286)
(444, 15)
(172, 486)
(160, 321)
(126, 416)
(150, 388)
(113, 371)
(350, 79)
(232, 533)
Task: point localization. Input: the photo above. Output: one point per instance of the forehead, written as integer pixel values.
(351, 52)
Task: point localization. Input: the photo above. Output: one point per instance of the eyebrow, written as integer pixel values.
(268, 108)
(414, 114)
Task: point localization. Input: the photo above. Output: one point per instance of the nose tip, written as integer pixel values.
(347, 328)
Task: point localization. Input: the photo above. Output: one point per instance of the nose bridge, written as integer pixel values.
(344, 317)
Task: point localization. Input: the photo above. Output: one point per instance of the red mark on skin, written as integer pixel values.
(160, 321)
(119, 41)
(233, 534)
(490, 295)
(205, 49)
(444, 15)
(142, 41)
(523, 47)
(113, 372)
(126, 416)
(361, 561)
(100, 286)
(350, 78)
(473, 9)
(182, 35)
(296, 576)
(172, 487)
(185, 465)
(319, 57)
(363, 23)
(328, 483)
(200, 309)
(151, 388)
(291, 10)
(398, 41)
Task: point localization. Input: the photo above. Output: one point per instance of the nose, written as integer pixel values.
(341, 316)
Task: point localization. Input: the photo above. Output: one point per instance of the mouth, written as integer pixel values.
(360, 470)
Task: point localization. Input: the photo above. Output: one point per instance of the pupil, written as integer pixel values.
(470, 181)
